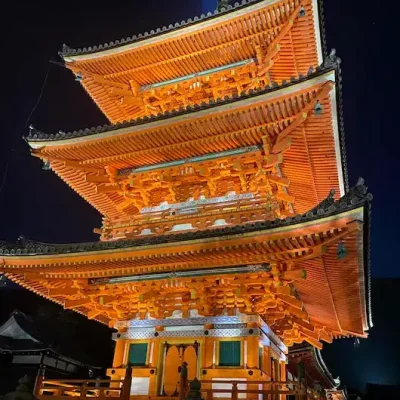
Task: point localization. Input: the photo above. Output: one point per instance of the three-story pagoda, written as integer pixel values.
(229, 230)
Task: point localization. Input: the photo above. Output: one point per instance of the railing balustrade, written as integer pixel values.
(102, 389)
(79, 388)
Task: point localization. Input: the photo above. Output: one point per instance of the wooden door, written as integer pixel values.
(176, 354)
(171, 374)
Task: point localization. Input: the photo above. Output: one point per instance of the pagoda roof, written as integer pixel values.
(240, 121)
(270, 40)
(37, 138)
(353, 199)
(335, 294)
(217, 16)
(315, 367)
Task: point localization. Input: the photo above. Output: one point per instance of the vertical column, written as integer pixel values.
(282, 366)
(163, 366)
(209, 345)
(156, 362)
(283, 370)
(39, 380)
(119, 353)
(245, 352)
(126, 386)
(252, 347)
(252, 344)
(267, 361)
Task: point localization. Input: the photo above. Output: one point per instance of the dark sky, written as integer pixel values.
(39, 205)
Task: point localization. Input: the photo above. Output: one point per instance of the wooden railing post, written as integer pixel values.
(126, 386)
(39, 380)
(194, 390)
(234, 391)
(84, 389)
(303, 393)
(183, 382)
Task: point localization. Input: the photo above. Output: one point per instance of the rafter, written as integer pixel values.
(302, 116)
(266, 63)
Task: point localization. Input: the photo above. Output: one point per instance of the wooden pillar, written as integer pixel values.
(283, 378)
(252, 351)
(126, 386)
(208, 359)
(183, 381)
(234, 391)
(39, 380)
(155, 362)
(283, 371)
(267, 361)
(208, 352)
(119, 353)
(252, 347)
(118, 361)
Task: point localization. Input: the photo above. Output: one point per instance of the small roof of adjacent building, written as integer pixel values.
(20, 335)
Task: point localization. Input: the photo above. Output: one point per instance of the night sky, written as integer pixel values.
(39, 205)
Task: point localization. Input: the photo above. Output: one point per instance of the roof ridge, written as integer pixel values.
(69, 51)
(355, 197)
(36, 135)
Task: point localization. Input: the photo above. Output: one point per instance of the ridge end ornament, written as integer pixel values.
(332, 60)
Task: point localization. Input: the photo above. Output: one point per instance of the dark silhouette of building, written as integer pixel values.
(25, 351)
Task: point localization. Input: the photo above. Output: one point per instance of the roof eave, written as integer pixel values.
(165, 33)
(37, 139)
(356, 199)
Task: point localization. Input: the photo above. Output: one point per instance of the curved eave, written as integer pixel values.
(315, 365)
(113, 145)
(355, 200)
(37, 139)
(312, 292)
(367, 267)
(181, 29)
(77, 260)
(323, 368)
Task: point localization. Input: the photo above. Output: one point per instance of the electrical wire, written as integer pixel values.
(25, 125)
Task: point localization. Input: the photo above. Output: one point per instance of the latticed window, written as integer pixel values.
(138, 354)
(229, 353)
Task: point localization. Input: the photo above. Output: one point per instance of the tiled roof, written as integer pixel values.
(68, 51)
(15, 345)
(314, 364)
(355, 197)
(38, 136)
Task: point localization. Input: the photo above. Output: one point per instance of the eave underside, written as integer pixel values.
(284, 43)
(331, 299)
(311, 158)
(315, 372)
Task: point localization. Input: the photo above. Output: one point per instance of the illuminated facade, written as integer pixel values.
(229, 230)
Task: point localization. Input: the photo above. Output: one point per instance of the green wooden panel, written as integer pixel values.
(138, 354)
(229, 354)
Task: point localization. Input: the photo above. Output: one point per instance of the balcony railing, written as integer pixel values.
(51, 389)
(267, 390)
(57, 388)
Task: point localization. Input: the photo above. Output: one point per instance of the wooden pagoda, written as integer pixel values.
(229, 230)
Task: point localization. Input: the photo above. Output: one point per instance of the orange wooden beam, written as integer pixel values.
(322, 92)
(77, 303)
(274, 47)
(97, 78)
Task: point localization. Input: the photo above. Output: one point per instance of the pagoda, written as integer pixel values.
(229, 230)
